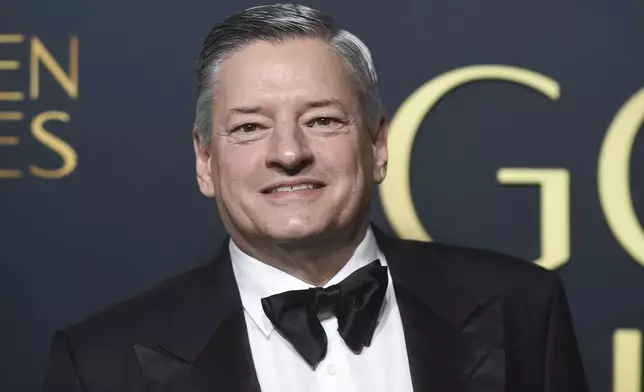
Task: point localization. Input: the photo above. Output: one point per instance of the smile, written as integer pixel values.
(293, 188)
(298, 187)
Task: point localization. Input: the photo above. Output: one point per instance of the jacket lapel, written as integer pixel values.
(454, 340)
(206, 347)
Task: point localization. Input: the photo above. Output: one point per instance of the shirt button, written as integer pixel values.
(331, 369)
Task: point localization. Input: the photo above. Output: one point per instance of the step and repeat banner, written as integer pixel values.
(515, 126)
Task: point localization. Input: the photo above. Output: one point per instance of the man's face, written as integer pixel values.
(291, 158)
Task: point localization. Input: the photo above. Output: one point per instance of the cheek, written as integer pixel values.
(361, 158)
(347, 157)
(235, 170)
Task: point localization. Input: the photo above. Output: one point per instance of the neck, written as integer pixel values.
(314, 261)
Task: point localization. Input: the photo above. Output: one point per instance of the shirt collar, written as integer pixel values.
(257, 280)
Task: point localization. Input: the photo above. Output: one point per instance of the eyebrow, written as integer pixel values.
(242, 110)
(246, 109)
(309, 105)
(324, 103)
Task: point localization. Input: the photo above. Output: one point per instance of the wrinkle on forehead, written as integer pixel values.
(303, 69)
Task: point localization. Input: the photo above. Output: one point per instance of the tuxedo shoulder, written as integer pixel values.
(144, 317)
(487, 272)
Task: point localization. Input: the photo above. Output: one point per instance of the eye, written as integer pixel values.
(322, 122)
(247, 128)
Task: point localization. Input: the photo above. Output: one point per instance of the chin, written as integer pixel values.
(292, 231)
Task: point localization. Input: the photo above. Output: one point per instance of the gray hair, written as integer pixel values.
(279, 23)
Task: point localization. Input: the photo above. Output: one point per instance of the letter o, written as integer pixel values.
(613, 178)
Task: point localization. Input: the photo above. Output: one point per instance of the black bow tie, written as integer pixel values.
(356, 302)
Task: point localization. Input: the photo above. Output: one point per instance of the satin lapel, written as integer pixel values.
(162, 370)
(486, 326)
(206, 348)
(443, 358)
(454, 340)
(225, 364)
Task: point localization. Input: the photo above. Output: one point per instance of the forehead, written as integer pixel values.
(298, 68)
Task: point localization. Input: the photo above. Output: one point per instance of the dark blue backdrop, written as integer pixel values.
(129, 213)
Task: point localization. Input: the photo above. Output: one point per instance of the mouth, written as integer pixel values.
(301, 187)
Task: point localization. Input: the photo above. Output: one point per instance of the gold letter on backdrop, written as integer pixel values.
(614, 176)
(40, 53)
(627, 360)
(555, 210)
(395, 191)
(10, 96)
(9, 173)
(11, 65)
(70, 159)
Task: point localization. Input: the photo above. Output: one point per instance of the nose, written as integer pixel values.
(288, 150)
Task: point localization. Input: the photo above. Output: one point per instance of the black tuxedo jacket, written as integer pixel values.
(473, 321)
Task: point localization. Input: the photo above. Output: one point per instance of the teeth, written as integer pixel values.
(292, 188)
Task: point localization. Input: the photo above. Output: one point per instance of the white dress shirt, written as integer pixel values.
(381, 367)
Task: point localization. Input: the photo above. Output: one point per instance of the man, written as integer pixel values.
(290, 138)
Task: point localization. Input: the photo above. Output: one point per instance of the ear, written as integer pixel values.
(380, 154)
(204, 170)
